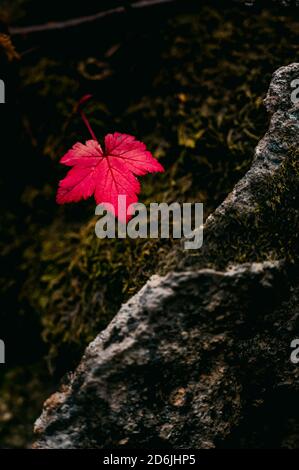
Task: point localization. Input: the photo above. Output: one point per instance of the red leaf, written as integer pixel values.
(106, 173)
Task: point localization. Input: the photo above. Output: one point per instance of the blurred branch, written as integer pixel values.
(57, 25)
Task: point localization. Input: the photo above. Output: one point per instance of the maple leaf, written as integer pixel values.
(107, 173)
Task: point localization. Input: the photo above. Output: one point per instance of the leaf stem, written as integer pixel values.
(87, 124)
(83, 100)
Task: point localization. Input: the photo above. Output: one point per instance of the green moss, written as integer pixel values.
(23, 391)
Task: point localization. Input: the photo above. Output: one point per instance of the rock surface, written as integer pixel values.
(201, 357)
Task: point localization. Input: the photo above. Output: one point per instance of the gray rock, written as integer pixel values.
(204, 349)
